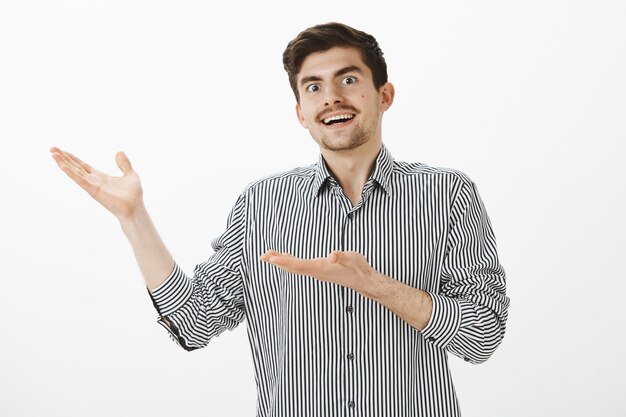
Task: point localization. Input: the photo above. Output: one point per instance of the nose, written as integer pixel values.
(332, 95)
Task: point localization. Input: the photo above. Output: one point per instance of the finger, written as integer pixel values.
(283, 262)
(269, 254)
(78, 176)
(123, 162)
(296, 265)
(63, 163)
(67, 160)
(82, 164)
(71, 168)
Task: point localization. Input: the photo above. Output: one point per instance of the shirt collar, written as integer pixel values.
(383, 167)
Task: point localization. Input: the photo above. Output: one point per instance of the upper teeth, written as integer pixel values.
(339, 117)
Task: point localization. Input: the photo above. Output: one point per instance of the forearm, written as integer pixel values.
(410, 304)
(468, 329)
(153, 258)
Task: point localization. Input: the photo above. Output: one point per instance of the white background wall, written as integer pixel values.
(528, 98)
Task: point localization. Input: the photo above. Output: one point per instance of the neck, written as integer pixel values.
(351, 168)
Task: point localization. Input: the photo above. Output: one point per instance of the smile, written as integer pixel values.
(338, 119)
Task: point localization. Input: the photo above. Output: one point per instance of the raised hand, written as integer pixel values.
(120, 195)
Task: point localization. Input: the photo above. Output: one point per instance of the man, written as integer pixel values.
(357, 275)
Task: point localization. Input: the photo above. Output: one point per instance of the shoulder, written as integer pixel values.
(434, 183)
(424, 172)
(296, 177)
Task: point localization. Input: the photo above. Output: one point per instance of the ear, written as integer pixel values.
(300, 116)
(387, 93)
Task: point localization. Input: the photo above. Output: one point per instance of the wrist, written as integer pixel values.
(376, 286)
(135, 219)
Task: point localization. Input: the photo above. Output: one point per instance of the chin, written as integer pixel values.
(343, 144)
(340, 145)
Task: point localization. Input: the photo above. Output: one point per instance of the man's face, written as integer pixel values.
(339, 104)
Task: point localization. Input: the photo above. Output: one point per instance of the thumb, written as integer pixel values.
(335, 256)
(123, 163)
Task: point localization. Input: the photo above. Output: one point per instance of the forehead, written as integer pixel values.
(327, 63)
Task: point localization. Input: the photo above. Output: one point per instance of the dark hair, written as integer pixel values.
(323, 37)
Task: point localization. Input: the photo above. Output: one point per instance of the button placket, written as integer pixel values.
(349, 320)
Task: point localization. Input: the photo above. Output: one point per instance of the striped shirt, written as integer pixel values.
(320, 349)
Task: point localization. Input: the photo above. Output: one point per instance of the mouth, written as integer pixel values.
(338, 119)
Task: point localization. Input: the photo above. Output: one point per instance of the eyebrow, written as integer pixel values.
(344, 70)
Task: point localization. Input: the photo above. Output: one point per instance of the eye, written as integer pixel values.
(348, 80)
(312, 88)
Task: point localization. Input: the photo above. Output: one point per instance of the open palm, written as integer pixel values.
(120, 195)
(349, 269)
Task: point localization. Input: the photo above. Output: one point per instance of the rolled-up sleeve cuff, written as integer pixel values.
(173, 293)
(445, 321)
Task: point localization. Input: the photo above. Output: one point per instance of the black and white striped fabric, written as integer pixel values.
(320, 349)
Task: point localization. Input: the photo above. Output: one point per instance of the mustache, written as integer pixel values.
(322, 115)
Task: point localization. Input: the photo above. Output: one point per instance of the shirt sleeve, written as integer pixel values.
(194, 310)
(471, 308)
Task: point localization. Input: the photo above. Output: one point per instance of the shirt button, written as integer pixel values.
(351, 404)
(350, 216)
(349, 309)
(431, 339)
(350, 356)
